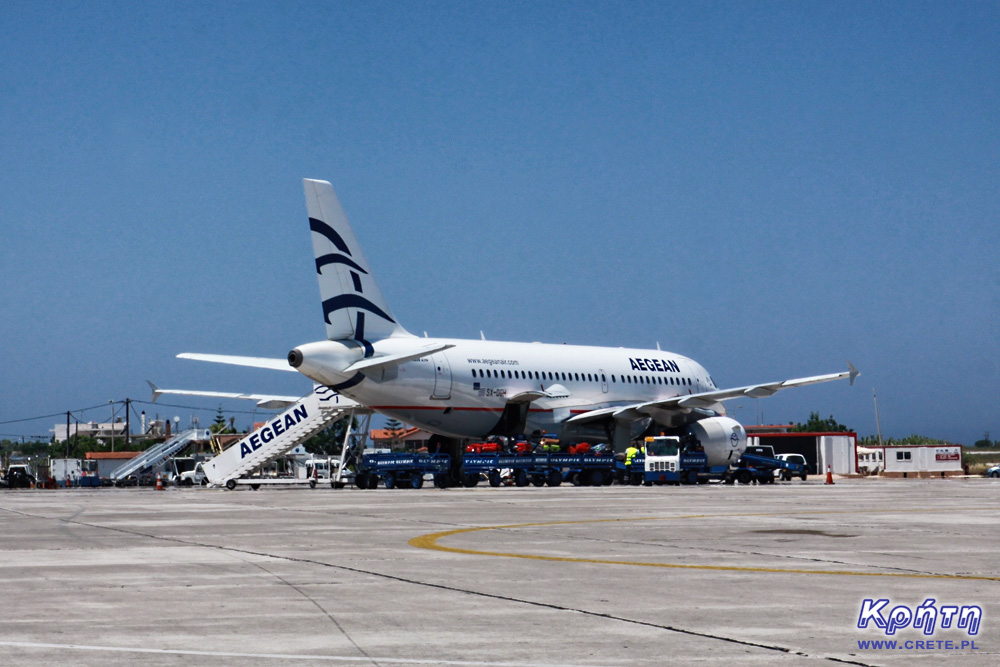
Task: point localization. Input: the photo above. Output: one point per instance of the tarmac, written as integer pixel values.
(773, 574)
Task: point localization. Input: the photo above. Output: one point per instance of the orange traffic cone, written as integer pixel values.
(159, 482)
(829, 475)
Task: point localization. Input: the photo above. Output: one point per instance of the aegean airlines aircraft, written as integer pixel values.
(474, 388)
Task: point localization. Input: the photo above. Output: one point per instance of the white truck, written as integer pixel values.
(193, 477)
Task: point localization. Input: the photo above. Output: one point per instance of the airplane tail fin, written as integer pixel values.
(353, 305)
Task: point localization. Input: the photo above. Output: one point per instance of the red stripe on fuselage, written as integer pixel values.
(456, 408)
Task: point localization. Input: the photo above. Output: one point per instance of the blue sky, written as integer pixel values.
(769, 188)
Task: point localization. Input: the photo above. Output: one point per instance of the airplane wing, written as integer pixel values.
(264, 401)
(254, 362)
(706, 400)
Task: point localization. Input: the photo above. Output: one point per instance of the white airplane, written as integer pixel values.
(459, 388)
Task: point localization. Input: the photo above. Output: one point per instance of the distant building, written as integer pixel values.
(108, 462)
(103, 431)
(410, 439)
(89, 429)
(836, 450)
(940, 460)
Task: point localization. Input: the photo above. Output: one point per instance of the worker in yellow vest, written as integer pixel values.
(630, 453)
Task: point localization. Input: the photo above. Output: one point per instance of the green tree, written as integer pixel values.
(817, 425)
(330, 440)
(220, 425)
(395, 429)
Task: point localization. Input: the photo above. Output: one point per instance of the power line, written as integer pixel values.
(56, 414)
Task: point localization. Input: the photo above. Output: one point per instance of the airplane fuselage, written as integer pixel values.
(463, 391)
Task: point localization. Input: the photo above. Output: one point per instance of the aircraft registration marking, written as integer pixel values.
(430, 542)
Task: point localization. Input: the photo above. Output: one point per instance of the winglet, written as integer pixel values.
(156, 390)
(854, 372)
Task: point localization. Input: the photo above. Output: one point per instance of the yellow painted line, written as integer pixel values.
(430, 542)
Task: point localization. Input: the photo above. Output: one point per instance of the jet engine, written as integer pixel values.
(722, 438)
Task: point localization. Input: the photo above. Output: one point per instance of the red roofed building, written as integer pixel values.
(410, 439)
(108, 462)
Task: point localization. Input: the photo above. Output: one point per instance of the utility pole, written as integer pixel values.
(878, 423)
(67, 434)
(128, 424)
(112, 404)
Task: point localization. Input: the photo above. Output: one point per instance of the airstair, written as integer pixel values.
(158, 453)
(279, 434)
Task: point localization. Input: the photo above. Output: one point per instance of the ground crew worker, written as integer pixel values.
(629, 454)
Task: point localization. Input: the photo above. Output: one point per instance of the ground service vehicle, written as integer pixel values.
(538, 469)
(193, 477)
(18, 477)
(786, 474)
(403, 470)
(758, 463)
(669, 460)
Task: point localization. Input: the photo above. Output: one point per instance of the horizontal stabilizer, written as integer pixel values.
(253, 362)
(264, 401)
(372, 363)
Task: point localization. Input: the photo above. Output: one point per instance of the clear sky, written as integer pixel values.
(771, 188)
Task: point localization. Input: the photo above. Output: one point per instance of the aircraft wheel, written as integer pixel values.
(230, 484)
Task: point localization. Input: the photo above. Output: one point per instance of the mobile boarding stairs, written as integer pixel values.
(280, 434)
(157, 454)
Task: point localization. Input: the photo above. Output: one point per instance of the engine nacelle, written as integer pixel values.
(722, 438)
(325, 361)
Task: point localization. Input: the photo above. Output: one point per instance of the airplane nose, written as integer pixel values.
(295, 358)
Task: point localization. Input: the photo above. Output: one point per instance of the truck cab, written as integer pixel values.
(194, 477)
(18, 477)
(671, 460)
